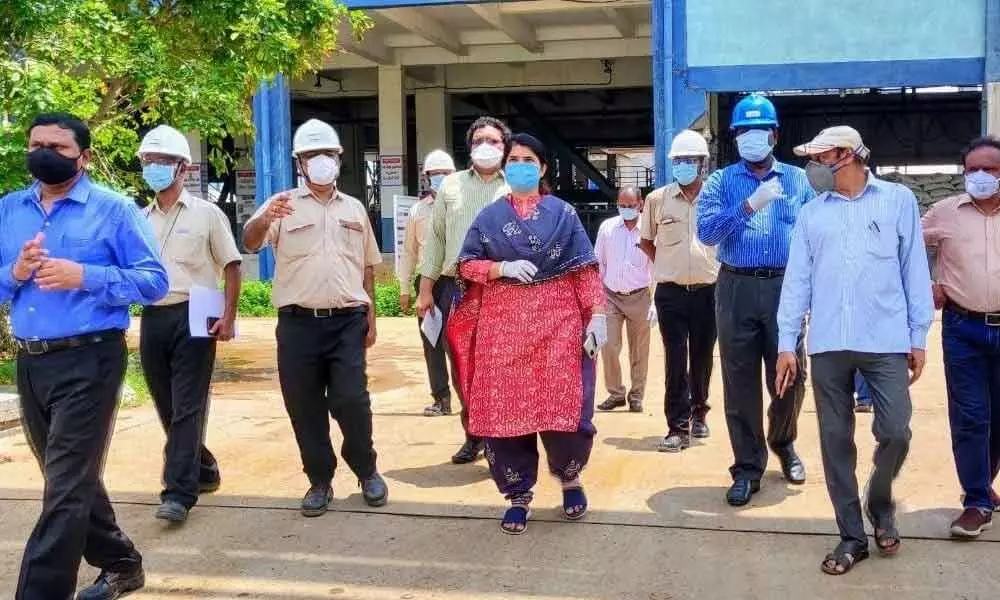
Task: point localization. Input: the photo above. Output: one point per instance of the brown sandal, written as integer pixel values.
(844, 558)
(888, 541)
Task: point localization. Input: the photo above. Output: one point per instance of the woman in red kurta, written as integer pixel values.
(532, 297)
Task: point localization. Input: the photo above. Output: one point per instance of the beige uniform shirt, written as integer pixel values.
(414, 239)
(670, 222)
(195, 242)
(321, 252)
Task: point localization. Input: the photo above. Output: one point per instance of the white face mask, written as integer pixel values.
(323, 169)
(486, 156)
(981, 185)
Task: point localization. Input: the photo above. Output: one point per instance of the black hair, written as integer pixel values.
(81, 133)
(538, 148)
(986, 141)
(487, 122)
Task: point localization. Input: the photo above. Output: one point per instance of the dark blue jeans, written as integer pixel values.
(972, 372)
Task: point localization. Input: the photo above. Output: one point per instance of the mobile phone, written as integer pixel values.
(210, 322)
(590, 346)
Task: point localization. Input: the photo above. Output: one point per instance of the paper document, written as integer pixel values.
(431, 327)
(204, 303)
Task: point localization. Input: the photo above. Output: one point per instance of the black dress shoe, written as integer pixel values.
(208, 487)
(110, 585)
(611, 404)
(374, 490)
(469, 452)
(792, 467)
(699, 429)
(172, 511)
(740, 492)
(317, 500)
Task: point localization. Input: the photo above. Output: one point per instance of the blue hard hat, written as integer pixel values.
(754, 111)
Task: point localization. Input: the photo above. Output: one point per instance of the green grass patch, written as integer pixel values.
(8, 372)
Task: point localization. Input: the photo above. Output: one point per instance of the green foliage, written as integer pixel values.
(8, 372)
(123, 65)
(7, 345)
(387, 299)
(255, 299)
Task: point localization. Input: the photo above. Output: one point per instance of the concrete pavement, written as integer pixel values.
(658, 526)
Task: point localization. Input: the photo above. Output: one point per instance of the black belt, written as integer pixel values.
(320, 313)
(36, 347)
(758, 272)
(165, 307)
(632, 293)
(991, 318)
(689, 287)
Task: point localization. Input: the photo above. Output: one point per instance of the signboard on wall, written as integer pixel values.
(391, 171)
(246, 183)
(401, 206)
(193, 183)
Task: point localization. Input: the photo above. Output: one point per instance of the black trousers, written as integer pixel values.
(321, 368)
(178, 370)
(687, 320)
(68, 403)
(445, 289)
(747, 315)
(435, 357)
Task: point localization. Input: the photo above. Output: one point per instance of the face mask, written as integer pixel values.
(323, 169)
(981, 185)
(754, 145)
(487, 156)
(523, 176)
(685, 173)
(436, 181)
(50, 167)
(629, 214)
(158, 177)
(821, 177)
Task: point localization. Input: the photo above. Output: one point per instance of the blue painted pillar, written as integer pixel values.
(991, 79)
(663, 83)
(272, 122)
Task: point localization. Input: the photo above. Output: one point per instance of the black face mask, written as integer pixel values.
(48, 166)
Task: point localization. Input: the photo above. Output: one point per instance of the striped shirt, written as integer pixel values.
(459, 199)
(751, 240)
(624, 267)
(859, 267)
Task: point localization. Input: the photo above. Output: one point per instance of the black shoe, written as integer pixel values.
(700, 430)
(635, 406)
(172, 511)
(209, 487)
(740, 492)
(316, 500)
(110, 585)
(792, 467)
(468, 453)
(440, 408)
(374, 490)
(611, 404)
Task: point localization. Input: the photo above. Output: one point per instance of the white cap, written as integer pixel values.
(166, 140)
(438, 160)
(840, 136)
(688, 143)
(315, 135)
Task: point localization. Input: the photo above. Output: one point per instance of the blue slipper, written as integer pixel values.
(574, 497)
(515, 520)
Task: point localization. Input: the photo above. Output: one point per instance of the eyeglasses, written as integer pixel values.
(486, 140)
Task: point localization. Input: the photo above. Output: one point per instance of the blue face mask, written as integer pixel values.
(629, 214)
(685, 172)
(754, 145)
(436, 181)
(158, 177)
(522, 177)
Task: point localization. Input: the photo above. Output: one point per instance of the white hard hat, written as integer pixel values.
(438, 160)
(840, 136)
(315, 135)
(688, 143)
(166, 140)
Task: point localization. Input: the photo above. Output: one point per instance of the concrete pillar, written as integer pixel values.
(433, 121)
(272, 120)
(991, 87)
(391, 144)
(663, 88)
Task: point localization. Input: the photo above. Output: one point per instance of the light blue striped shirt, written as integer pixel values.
(859, 267)
(751, 240)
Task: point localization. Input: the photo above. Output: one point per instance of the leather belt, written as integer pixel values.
(992, 319)
(320, 313)
(689, 287)
(632, 293)
(37, 347)
(757, 272)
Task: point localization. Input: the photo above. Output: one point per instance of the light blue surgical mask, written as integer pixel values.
(686, 172)
(628, 213)
(158, 177)
(522, 177)
(754, 145)
(436, 181)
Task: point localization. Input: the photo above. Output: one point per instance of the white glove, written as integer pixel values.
(598, 327)
(764, 194)
(521, 270)
(651, 315)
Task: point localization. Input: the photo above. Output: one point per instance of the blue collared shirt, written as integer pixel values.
(859, 267)
(100, 229)
(751, 240)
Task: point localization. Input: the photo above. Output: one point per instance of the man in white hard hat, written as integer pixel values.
(437, 165)
(324, 287)
(197, 248)
(685, 271)
(858, 267)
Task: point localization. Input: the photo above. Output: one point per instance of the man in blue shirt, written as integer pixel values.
(73, 257)
(748, 210)
(858, 266)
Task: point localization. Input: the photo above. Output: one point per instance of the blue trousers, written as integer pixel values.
(972, 373)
